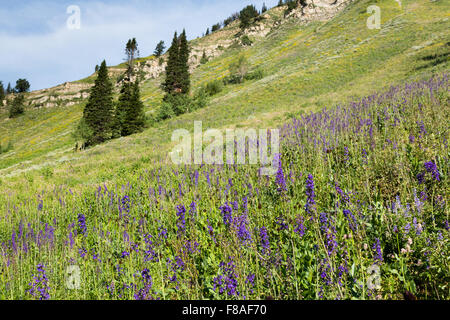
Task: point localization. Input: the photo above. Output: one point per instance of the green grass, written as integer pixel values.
(307, 68)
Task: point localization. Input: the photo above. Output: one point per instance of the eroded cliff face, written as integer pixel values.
(72, 93)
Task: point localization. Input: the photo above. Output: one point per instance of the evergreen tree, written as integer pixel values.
(159, 50)
(183, 63)
(9, 89)
(132, 52)
(2, 93)
(280, 3)
(204, 58)
(22, 85)
(121, 109)
(98, 112)
(17, 106)
(215, 27)
(171, 84)
(130, 116)
(207, 32)
(247, 15)
(264, 8)
(135, 116)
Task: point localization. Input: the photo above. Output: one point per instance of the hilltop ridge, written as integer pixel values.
(214, 44)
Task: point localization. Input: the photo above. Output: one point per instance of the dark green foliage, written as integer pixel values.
(215, 27)
(247, 16)
(291, 5)
(258, 74)
(214, 87)
(159, 50)
(264, 8)
(245, 40)
(238, 70)
(204, 58)
(207, 32)
(9, 89)
(230, 19)
(132, 52)
(177, 70)
(98, 113)
(134, 117)
(17, 106)
(96, 68)
(171, 84)
(2, 94)
(165, 112)
(83, 132)
(185, 81)
(177, 104)
(22, 85)
(8, 147)
(123, 104)
(280, 3)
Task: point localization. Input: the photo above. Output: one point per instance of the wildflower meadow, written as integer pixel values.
(357, 210)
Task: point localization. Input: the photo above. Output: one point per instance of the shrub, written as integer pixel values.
(17, 106)
(238, 70)
(245, 40)
(258, 74)
(9, 147)
(165, 112)
(214, 87)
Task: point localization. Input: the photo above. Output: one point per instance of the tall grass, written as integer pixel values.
(362, 186)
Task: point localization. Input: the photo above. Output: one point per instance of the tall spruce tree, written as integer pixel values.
(9, 89)
(171, 85)
(121, 109)
(183, 62)
(132, 52)
(135, 116)
(130, 116)
(2, 93)
(98, 112)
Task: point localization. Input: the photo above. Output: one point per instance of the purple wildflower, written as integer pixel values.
(310, 195)
(39, 288)
(264, 240)
(226, 214)
(378, 255)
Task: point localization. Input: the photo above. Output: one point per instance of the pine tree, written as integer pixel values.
(159, 50)
(132, 52)
(207, 32)
(264, 8)
(9, 89)
(183, 62)
(171, 84)
(135, 116)
(17, 106)
(121, 109)
(98, 112)
(2, 93)
(247, 15)
(130, 116)
(22, 85)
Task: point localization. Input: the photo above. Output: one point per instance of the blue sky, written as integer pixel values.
(36, 44)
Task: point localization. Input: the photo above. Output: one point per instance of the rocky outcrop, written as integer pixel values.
(319, 10)
(69, 94)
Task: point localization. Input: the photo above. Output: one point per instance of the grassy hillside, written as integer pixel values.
(362, 184)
